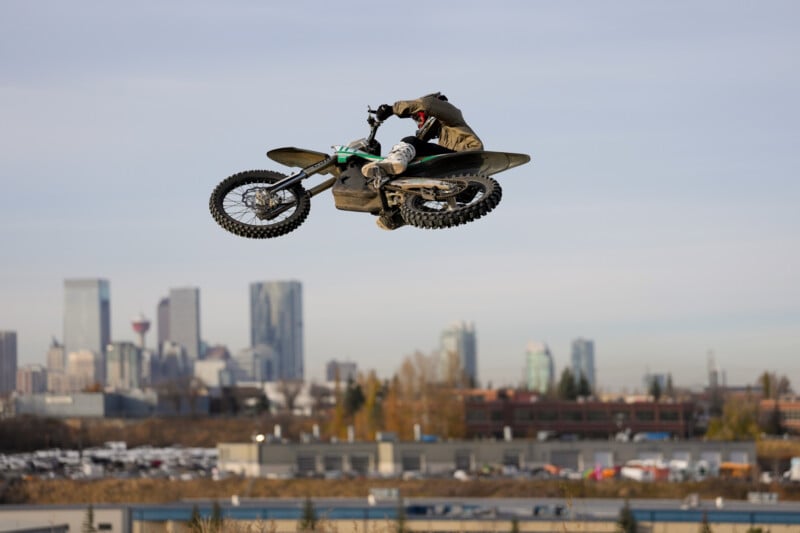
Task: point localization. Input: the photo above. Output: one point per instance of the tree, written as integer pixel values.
(308, 520)
(195, 523)
(626, 523)
(566, 386)
(353, 398)
(772, 423)
(369, 418)
(655, 388)
(705, 527)
(290, 389)
(669, 389)
(739, 420)
(337, 423)
(774, 386)
(765, 380)
(584, 388)
(400, 521)
(216, 517)
(88, 521)
(320, 397)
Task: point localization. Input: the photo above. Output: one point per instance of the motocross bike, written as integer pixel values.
(437, 191)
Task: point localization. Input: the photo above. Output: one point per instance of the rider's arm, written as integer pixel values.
(446, 112)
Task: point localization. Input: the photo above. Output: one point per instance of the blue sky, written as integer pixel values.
(659, 216)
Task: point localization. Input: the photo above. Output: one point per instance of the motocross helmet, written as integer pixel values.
(438, 95)
(428, 126)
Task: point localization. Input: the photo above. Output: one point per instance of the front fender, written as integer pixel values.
(299, 157)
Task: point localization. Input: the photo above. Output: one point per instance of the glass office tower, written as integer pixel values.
(276, 320)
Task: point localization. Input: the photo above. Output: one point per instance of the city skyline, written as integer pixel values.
(658, 215)
(192, 295)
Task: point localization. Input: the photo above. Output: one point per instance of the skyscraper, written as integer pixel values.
(56, 358)
(343, 371)
(276, 320)
(87, 318)
(184, 320)
(84, 369)
(583, 361)
(458, 342)
(8, 362)
(124, 366)
(539, 371)
(31, 379)
(162, 321)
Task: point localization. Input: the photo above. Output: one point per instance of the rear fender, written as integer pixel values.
(472, 162)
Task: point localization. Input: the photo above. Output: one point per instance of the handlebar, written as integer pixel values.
(374, 124)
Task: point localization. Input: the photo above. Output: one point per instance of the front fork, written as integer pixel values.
(299, 176)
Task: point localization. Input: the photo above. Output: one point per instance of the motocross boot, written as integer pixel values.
(390, 221)
(393, 164)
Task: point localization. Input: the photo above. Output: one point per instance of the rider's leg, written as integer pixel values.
(394, 163)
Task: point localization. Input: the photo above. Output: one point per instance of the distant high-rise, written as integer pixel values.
(254, 364)
(583, 361)
(56, 358)
(343, 371)
(124, 366)
(184, 320)
(458, 345)
(84, 369)
(539, 371)
(31, 379)
(87, 317)
(162, 321)
(276, 320)
(8, 362)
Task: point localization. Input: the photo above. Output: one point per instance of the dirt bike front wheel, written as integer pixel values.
(469, 197)
(242, 205)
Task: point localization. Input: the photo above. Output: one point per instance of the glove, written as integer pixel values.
(383, 112)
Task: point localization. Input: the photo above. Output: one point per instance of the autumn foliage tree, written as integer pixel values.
(418, 394)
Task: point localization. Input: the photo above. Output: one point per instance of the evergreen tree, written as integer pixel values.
(655, 389)
(88, 521)
(626, 523)
(772, 423)
(308, 520)
(704, 525)
(195, 523)
(400, 522)
(353, 397)
(216, 517)
(566, 386)
(669, 389)
(584, 389)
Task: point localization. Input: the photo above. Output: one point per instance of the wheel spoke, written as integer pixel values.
(244, 205)
(469, 198)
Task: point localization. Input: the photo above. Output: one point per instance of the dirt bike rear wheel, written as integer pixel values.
(242, 206)
(474, 196)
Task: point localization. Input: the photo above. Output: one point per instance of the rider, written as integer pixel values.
(452, 130)
(450, 127)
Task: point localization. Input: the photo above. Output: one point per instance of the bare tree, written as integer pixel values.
(290, 389)
(320, 397)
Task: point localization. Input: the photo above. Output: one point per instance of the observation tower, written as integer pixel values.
(140, 325)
